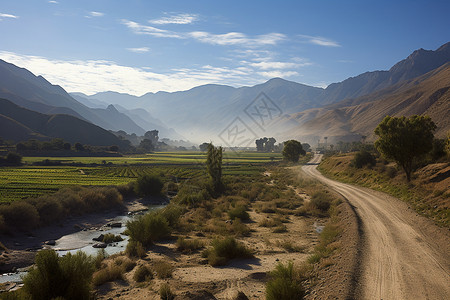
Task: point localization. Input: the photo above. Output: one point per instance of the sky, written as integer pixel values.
(140, 46)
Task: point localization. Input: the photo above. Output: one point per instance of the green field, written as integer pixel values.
(30, 181)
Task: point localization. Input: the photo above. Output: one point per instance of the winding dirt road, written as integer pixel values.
(404, 256)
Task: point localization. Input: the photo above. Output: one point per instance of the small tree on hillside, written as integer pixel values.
(292, 150)
(405, 140)
(214, 166)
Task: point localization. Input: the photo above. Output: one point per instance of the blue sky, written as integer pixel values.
(146, 46)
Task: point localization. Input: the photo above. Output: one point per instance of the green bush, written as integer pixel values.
(135, 249)
(52, 276)
(225, 249)
(284, 284)
(363, 158)
(107, 274)
(172, 214)
(321, 200)
(111, 238)
(143, 273)
(20, 215)
(148, 185)
(239, 212)
(165, 293)
(163, 269)
(148, 228)
(188, 245)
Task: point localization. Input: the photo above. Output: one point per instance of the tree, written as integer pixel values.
(79, 147)
(152, 136)
(405, 140)
(306, 147)
(203, 147)
(14, 159)
(147, 145)
(214, 166)
(292, 150)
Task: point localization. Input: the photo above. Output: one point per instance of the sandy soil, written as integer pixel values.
(193, 277)
(403, 255)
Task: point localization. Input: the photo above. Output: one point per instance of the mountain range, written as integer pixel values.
(346, 110)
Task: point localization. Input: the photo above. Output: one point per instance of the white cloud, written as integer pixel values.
(267, 65)
(53, 2)
(176, 19)
(94, 76)
(8, 16)
(150, 30)
(94, 14)
(226, 39)
(281, 74)
(237, 38)
(139, 50)
(321, 41)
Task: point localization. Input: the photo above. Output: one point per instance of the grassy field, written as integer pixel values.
(29, 181)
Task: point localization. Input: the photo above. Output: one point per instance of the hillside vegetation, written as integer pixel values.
(428, 192)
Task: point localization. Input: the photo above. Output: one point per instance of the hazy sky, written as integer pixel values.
(146, 46)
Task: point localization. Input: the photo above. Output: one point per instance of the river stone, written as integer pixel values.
(99, 238)
(100, 245)
(115, 225)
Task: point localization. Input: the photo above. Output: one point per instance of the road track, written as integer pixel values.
(404, 255)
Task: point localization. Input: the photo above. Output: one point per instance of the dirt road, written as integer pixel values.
(404, 255)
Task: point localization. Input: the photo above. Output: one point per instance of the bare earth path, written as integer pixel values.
(404, 255)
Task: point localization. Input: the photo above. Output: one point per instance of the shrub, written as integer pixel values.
(135, 249)
(363, 158)
(49, 209)
(225, 249)
(165, 293)
(240, 212)
(125, 263)
(111, 238)
(321, 200)
(53, 276)
(107, 274)
(143, 273)
(284, 284)
(163, 269)
(20, 214)
(99, 258)
(280, 229)
(188, 245)
(148, 185)
(148, 228)
(172, 214)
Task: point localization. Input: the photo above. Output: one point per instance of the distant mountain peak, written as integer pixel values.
(112, 108)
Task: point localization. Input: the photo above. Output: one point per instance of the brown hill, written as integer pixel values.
(350, 119)
(18, 124)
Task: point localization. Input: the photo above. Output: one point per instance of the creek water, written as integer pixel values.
(83, 241)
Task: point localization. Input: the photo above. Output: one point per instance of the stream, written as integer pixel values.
(83, 241)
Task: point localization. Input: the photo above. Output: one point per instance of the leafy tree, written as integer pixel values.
(147, 145)
(114, 148)
(67, 146)
(148, 185)
(306, 147)
(214, 166)
(405, 139)
(203, 147)
(79, 147)
(14, 158)
(292, 150)
(152, 136)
